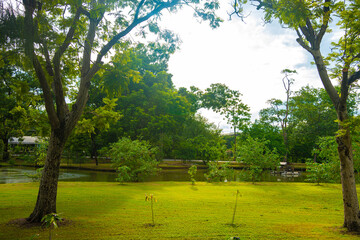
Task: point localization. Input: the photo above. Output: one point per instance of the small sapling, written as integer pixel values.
(50, 220)
(152, 199)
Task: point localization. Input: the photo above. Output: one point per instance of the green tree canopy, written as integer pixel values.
(20, 102)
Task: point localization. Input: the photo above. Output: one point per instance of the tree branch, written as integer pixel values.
(344, 89)
(49, 105)
(87, 47)
(138, 9)
(310, 30)
(62, 108)
(85, 12)
(262, 4)
(306, 33)
(324, 26)
(87, 75)
(355, 57)
(105, 49)
(49, 67)
(29, 27)
(319, 61)
(69, 36)
(302, 43)
(29, 50)
(354, 77)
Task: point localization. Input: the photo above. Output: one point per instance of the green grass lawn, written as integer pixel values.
(183, 211)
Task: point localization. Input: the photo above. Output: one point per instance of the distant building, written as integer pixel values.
(26, 140)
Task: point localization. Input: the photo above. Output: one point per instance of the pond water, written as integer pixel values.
(18, 175)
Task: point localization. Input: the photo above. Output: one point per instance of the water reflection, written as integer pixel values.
(18, 175)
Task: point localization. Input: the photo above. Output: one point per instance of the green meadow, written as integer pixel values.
(182, 211)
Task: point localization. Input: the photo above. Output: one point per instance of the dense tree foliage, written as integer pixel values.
(151, 109)
(267, 132)
(311, 116)
(20, 103)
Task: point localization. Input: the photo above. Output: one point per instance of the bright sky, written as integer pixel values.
(246, 56)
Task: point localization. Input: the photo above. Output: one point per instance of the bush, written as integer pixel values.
(133, 160)
(35, 177)
(192, 172)
(211, 151)
(219, 172)
(321, 172)
(327, 169)
(257, 157)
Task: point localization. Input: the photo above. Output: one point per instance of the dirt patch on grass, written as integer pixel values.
(23, 223)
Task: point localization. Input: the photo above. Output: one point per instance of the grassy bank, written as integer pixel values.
(203, 211)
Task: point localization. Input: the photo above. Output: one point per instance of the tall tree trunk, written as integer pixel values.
(350, 199)
(46, 200)
(234, 143)
(6, 155)
(94, 148)
(285, 138)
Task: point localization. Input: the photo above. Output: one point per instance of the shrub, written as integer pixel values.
(257, 157)
(35, 177)
(219, 172)
(134, 160)
(327, 169)
(320, 172)
(192, 172)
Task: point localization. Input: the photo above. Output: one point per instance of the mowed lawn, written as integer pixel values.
(182, 211)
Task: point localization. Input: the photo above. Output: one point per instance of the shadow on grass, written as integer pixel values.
(23, 223)
(235, 225)
(150, 225)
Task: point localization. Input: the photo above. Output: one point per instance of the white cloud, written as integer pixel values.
(245, 56)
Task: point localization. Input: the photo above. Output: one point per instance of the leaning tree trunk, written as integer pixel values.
(350, 198)
(46, 200)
